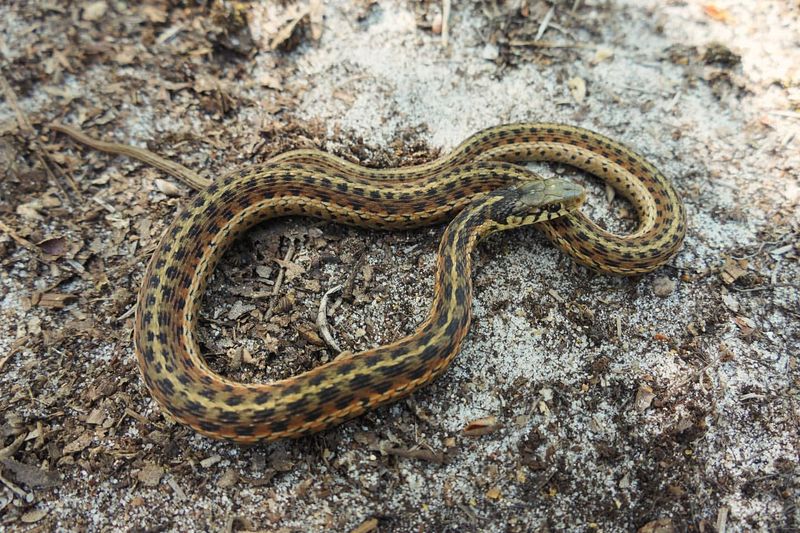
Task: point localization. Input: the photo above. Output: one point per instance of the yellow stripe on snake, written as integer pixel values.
(477, 185)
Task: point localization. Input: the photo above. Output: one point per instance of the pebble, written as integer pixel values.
(663, 286)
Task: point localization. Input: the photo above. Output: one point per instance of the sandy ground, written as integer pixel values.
(666, 401)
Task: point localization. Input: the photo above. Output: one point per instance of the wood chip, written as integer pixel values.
(644, 397)
(94, 11)
(79, 444)
(167, 187)
(238, 309)
(228, 479)
(746, 325)
(481, 426)
(54, 300)
(307, 332)
(662, 525)
(150, 475)
(368, 526)
(34, 516)
(733, 269)
(316, 12)
(210, 461)
(601, 55)
(577, 87)
(293, 270)
(31, 476)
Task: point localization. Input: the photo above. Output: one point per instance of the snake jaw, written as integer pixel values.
(538, 201)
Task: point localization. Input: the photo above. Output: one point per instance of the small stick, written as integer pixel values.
(282, 271)
(347, 289)
(322, 320)
(279, 281)
(545, 23)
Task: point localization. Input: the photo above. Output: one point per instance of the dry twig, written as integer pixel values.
(322, 319)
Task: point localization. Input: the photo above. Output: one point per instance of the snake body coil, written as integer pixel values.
(478, 173)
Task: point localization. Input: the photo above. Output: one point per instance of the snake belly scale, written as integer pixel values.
(476, 186)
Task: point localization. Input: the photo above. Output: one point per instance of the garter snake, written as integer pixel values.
(479, 174)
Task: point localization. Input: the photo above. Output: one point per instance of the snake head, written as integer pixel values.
(541, 200)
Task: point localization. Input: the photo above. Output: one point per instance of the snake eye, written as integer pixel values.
(554, 208)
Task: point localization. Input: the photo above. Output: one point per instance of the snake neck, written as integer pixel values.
(451, 312)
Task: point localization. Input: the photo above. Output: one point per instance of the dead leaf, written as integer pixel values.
(730, 301)
(206, 83)
(282, 28)
(247, 357)
(270, 343)
(48, 199)
(281, 461)
(126, 56)
(96, 417)
(270, 81)
(54, 246)
(62, 92)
